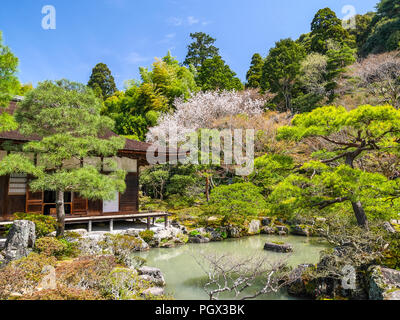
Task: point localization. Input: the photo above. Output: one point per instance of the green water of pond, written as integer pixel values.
(184, 276)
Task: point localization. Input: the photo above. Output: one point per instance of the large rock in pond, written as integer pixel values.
(177, 225)
(20, 240)
(198, 239)
(301, 230)
(233, 232)
(267, 230)
(164, 235)
(282, 229)
(277, 247)
(153, 275)
(254, 227)
(384, 284)
(216, 234)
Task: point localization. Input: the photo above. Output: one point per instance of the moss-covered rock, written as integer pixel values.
(254, 227)
(278, 247)
(301, 230)
(384, 283)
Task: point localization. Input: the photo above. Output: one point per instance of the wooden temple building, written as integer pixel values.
(15, 195)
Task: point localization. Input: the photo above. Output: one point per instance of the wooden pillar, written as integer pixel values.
(90, 226)
(154, 220)
(148, 223)
(111, 225)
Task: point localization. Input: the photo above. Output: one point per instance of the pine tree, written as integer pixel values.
(327, 26)
(334, 177)
(281, 69)
(254, 74)
(66, 116)
(200, 50)
(102, 81)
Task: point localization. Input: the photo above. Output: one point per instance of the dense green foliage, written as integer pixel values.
(50, 246)
(385, 29)
(236, 202)
(269, 170)
(327, 26)
(9, 84)
(362, 29)
(215, 74)
(335, 178)
(281, 68)
(183, 183)
(211, 71)
(44, 224)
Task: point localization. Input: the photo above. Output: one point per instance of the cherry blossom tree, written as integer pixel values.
(380, 75)
(202, 110)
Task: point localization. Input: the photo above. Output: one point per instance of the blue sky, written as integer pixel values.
(127, 34)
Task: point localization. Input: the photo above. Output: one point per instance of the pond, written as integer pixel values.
(184, 276)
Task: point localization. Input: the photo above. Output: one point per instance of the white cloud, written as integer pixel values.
(135, 58)
(175, 21)
(188, 21)
(192, 20)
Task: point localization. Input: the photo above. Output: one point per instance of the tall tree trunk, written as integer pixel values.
(60, 213)
(358, 209)
(360, 214)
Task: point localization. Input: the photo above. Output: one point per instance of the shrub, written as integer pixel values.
(137, 262)
(147, 235)
(44, 224)
(87, 272)
(13, 280)
(33, 265)
(71, 248)
(176, 201)
(194, 233)
(24, 274)
(124, 284)
(50, 246)
(58, 247)
(121, 246)
(223, 233)
(182, 238)
(236, 202)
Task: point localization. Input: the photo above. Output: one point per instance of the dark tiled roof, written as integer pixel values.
(130, 145)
